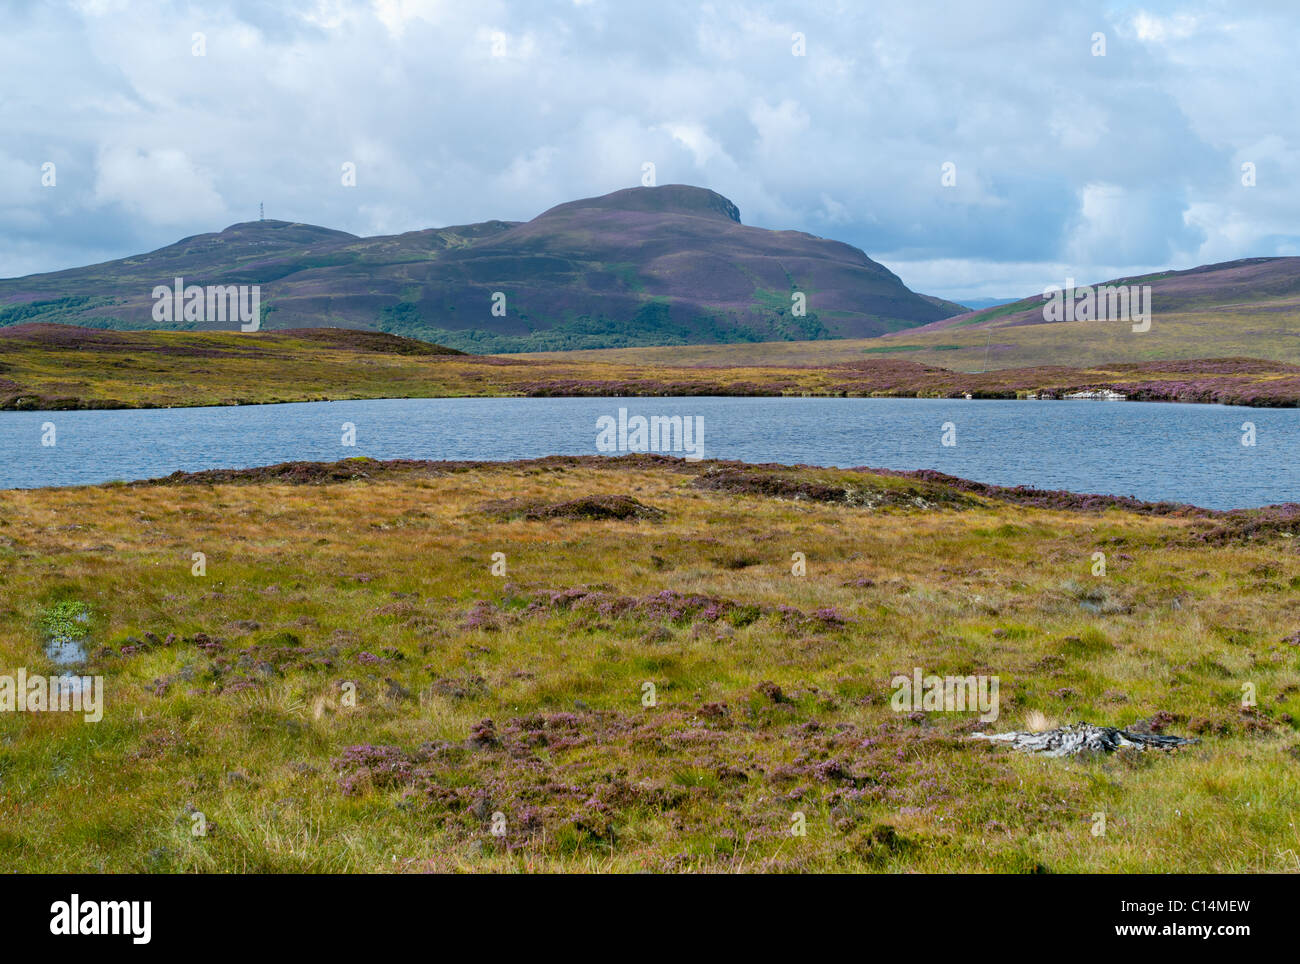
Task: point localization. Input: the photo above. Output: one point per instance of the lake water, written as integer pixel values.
(1185, 453)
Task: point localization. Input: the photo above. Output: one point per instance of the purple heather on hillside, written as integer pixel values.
(645, 265)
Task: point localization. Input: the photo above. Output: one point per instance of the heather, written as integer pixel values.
(651, 680)
(56, 367)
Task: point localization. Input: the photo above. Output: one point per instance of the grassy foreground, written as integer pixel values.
(54, 367)
(525, 695)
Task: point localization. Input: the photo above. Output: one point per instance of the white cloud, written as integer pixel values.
(396, 15)
(162, 186)
(695, 139)
(1151, 28)
(779, 126)
(1063, 158)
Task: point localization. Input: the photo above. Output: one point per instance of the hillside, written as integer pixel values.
(1239, 309)
(1247, 308)
(1263, 286)
(59, 367)
(669, 265)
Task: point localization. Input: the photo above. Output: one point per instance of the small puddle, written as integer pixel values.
(67, 625)
(65, 651)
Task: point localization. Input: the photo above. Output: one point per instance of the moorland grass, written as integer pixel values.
(348, 687)
(49, 368)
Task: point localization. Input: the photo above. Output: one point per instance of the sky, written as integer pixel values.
(978, 150)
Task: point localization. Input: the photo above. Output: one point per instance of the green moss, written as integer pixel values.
(66, 619)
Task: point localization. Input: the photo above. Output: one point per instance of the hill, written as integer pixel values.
(1262, 286)
(1238, 309)
(669, 265)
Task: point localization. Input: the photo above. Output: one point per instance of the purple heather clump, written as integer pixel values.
(675, 607)
(831, 617)
(483, 616)
(206, 643)
(368, 764)
(665, 606)
(369, 659)
(608, 605)
(527, 724)
(484, 734)
(563, 721)
(567, 597)
(529, 819)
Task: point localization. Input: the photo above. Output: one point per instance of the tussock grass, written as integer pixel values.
(225, 693)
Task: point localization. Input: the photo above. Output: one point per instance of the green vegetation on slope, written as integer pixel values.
(650, 325)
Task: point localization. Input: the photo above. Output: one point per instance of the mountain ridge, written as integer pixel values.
(640, 266)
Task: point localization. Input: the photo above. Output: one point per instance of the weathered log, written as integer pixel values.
(1084, 738)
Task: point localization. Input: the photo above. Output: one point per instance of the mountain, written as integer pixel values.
(643, 266)
(1252, 285)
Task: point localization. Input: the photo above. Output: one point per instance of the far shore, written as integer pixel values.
(90, 405)
(61, 368)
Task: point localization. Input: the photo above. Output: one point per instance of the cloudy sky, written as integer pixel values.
(452, 111)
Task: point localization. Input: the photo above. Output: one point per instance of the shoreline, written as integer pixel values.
(365, 468)
(1084, 395)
